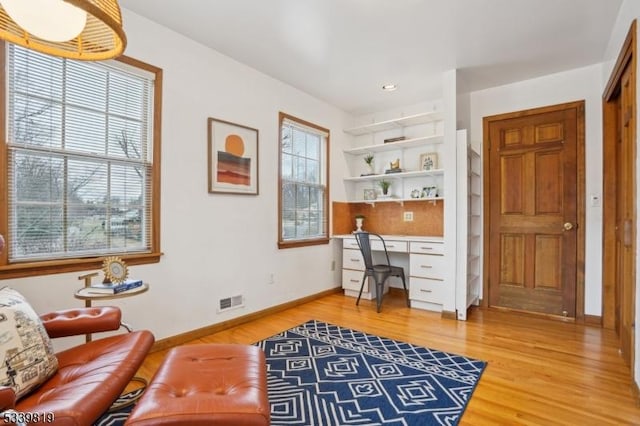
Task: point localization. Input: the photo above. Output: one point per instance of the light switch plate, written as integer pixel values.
(408, 216)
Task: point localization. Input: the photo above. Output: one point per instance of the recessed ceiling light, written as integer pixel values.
(389, 87)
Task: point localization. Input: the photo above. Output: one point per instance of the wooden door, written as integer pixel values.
(532, 209)
(619, 198)
(625, 216)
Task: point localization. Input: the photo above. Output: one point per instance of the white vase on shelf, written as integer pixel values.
(359, 222)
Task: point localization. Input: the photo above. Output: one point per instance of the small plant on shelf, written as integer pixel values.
(368, 159)
(384, 184)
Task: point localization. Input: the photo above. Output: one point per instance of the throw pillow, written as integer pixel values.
(25, 348)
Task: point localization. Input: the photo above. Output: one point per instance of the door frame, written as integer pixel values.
(580, 199)
(628, 54)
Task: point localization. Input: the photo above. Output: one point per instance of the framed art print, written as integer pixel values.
(369, 194)
(429, 161)
(233, 158)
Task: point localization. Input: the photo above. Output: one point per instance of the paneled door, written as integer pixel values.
(625, 217)
(532, 210)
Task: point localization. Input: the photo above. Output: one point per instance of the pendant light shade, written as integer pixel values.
(89, 30)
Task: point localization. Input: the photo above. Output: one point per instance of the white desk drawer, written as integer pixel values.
(426, 290)
(426, 266)
(352, 259)
(392, 246)
(376, 245)
(350, 243)
(427, 247)
(351, 280)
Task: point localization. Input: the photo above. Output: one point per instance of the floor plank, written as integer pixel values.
(540, 371)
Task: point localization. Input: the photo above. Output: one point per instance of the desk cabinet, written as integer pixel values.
(426, 270)
(425, 274)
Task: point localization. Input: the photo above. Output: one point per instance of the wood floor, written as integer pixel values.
(540, 372)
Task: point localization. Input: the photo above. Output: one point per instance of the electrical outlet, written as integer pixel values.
(408, 216)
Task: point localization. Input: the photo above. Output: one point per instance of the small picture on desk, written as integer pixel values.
(369, 194)
(429, 161)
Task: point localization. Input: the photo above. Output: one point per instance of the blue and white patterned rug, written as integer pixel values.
(120, 409)
(323, 374)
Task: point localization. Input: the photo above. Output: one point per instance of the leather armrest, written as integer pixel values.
(7, 398)
(73, 322)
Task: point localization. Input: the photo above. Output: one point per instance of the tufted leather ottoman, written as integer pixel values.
(211, 384)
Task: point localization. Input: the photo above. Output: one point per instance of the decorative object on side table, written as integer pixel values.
(102, 288)
(368, 159)
(359, 222)
(429, 161)
(115, 270)
(369, 194)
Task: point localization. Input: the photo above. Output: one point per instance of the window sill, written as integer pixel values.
(32, 269)
(302, 243)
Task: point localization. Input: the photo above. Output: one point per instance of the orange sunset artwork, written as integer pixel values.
(232, 166)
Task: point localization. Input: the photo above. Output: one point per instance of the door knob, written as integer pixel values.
(568, 226)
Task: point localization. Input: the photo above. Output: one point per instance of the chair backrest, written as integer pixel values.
(364, 243)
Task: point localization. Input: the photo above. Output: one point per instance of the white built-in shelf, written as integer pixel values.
(401, 175)
(398, 200)
(407, 143)
(410, 120)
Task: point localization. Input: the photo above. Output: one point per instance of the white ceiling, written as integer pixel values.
(343, 51)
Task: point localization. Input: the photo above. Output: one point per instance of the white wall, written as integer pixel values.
(629, 11)
(215, 245)
(583, 83)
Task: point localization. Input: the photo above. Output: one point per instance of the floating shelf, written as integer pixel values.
(410, 120)
(401, 175)
(397, 200)
(407, 143)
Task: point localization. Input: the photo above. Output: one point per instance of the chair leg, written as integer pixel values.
(379, 294)
(406, 292)
(361, 288)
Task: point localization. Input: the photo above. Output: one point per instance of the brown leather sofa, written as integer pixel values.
(90, 376)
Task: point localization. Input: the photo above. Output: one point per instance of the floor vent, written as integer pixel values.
(230, 303)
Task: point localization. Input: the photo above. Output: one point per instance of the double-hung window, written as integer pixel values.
(80, 161)
(304, 189)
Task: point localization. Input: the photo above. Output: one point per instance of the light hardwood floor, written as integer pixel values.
(540, 371)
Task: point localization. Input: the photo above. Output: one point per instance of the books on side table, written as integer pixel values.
(102, 288)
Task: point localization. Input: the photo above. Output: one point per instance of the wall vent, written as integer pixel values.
(230, 303)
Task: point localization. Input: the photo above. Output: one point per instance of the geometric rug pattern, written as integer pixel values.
(119, 416)
(325, 375)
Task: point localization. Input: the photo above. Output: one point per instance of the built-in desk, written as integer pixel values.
(421, 257)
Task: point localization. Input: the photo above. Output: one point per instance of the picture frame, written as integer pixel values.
(431, 192)
(232, 158)
(369, 194)
(429, 161)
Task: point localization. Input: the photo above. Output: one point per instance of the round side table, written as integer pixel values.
(88, 297)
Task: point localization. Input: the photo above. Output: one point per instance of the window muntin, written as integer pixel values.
(79, 157)
(304, 191)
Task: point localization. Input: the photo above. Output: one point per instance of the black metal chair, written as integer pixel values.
(379, 272)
